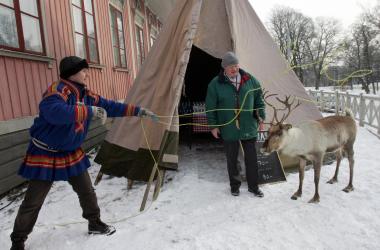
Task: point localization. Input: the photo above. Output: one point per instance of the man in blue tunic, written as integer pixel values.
(55, 153)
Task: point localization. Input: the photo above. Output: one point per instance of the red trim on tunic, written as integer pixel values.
(72, 88)
(54, 162)
(64, 97)
(93, 95)
(66, 90)
(129, 110)
(79, 127)
(80, 110)
(53, 90)
(80, 113)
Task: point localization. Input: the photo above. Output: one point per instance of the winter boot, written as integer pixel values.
(235, 191)
(18, 245)
(99, 227)
(256, 192)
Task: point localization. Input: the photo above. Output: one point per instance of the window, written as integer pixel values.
(152, 40)
(140, 45)
(118, 43)
(86, 45)
(152, 23)
(21, 26)
(137, 4)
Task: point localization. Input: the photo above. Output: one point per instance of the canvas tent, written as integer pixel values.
(195, 36)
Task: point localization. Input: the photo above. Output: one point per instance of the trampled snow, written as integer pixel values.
(195, 209)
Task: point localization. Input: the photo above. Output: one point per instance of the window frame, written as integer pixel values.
(152, 27)
(140, 38)
(85, 34)
(20, 32)
(115, 10)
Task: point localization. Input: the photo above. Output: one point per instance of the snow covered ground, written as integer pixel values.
(196, 211)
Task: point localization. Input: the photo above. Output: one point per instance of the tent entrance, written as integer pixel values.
(201, 69)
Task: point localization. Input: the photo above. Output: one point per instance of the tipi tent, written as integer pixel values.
(194, 29)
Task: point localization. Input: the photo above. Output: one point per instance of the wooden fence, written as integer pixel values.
(366, 108)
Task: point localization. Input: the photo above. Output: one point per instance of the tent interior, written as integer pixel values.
(201, 69)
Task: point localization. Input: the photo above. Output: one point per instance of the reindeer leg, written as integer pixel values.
(338, 160)
(301, 172)
(317, 172)
(350, 153)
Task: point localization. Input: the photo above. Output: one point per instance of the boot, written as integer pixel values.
(99, 227)
(235, 191)
(256, 192)
(18, 243)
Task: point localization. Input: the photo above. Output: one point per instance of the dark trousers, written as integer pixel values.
(35, 196)
(250, 158)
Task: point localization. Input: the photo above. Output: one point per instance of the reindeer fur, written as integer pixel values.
(310, 141)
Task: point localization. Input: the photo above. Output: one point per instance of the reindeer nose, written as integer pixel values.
(262, 150)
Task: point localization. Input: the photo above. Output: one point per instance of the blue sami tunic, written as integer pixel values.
(64, 117)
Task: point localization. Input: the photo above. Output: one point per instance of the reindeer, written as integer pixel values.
(311, 140)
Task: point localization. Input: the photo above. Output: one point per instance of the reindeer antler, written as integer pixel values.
(288, 105)
(266, 96)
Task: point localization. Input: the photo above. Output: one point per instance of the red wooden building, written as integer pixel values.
(113, 35)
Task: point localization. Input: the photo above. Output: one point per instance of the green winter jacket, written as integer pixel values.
(222, 94)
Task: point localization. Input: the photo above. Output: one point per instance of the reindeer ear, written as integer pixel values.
(287, 126)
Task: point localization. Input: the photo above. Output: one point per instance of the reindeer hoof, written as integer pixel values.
(348, 189)
(296, 195)
(314, 200)
(332, 181)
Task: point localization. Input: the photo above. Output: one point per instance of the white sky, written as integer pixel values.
(344, 10)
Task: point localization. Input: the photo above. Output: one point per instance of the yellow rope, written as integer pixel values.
(155, 160)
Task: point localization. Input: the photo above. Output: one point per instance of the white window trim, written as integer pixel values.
(23, 55)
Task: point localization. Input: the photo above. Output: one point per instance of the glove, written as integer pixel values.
(100, 113)
(147, 113)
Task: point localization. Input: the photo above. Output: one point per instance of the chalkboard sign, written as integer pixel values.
(269, 166)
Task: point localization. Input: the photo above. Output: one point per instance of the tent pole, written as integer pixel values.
(143, 203)
(155, 168)
(98, 178)
(159, 184)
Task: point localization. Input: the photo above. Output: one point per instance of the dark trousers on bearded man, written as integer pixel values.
(224, 100)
